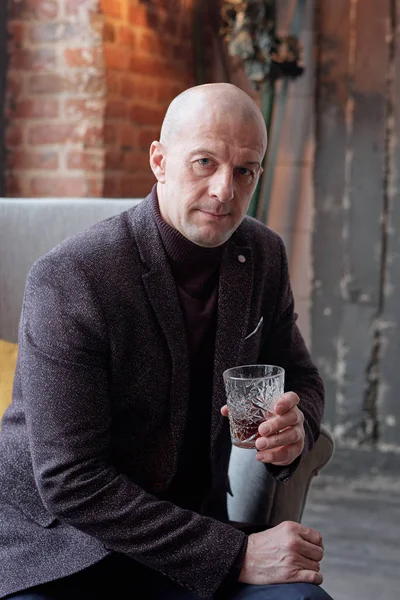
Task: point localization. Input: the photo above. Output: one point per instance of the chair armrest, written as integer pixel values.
(259, 500)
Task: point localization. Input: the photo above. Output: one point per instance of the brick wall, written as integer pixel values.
(88, 84)
(55, 98)
(149, 59)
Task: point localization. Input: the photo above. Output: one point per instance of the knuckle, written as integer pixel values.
(315, 577)
(289, 526)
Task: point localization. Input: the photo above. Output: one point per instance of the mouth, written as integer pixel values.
(213, 215)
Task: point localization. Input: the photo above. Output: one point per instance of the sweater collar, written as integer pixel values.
(178, 247)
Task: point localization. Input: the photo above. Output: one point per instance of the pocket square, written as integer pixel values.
(260, 322)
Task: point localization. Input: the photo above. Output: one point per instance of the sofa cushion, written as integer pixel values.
(8, 362)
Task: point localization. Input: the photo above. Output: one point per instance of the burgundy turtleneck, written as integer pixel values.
(196, 273)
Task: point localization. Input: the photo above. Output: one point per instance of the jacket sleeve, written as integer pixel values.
(64, 367)
(283, 345)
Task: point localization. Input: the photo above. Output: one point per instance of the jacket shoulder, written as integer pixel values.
(255, 232)
(96, 245)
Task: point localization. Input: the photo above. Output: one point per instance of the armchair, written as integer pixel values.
(31, 227)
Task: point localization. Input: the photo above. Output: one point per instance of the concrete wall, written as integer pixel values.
(356, 245)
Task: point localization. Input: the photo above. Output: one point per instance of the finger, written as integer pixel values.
(224, 411)
(306, 576)
(281, 456)
(286, 402)
(311, 535)
(311, 551)
(307, 563)
(274, 424)
(288, 436)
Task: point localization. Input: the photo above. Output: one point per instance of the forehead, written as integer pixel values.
(224, 139)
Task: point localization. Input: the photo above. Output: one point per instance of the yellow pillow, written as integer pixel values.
(8, 362)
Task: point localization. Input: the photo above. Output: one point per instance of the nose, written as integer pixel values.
(221, 185)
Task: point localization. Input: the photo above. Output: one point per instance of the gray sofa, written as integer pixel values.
(31, 227)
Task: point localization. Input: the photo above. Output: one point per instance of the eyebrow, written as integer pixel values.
(206, 151)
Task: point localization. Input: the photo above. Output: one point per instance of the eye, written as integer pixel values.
(244, 171)
(204, 162)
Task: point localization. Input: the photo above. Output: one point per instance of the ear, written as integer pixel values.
(157, 161)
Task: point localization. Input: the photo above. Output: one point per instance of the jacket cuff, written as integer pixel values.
(234, 573)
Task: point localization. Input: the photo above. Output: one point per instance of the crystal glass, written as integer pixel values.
(251, 392)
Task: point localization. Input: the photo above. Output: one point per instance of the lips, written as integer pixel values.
(213, 214)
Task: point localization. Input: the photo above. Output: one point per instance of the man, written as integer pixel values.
(114, 453)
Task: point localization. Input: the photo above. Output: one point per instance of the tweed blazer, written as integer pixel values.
(93, 434)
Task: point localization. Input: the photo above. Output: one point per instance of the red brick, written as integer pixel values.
(147, 136)
(138, 15)
(113, 82)
(33, 9)
(151, 43)
(146, 116)
(136, 162)
(34, 108)
(113, 160)
(81, 108)
(50, 84)
(137, 186)
(83, 57)
(53, 32)
(57, 84)
(14, 83)
(16, 32)
(86, 161)
(111, 187)
(126, 36)
(116, 109)
(61, 133)
(128, 87)
(14, 136)
(15, 186)
(112, 8)
(117, 58)
(43, 59)
(109, 32)
(32, 160)
(152, 67)
(110, 133)
(93, 136)
(58, 133)
(59, 186)
(95, 186)
(128, 136)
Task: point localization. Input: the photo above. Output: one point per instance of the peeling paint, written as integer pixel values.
(390, 421)
(340, 375)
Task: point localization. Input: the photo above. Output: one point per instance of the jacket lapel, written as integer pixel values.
(234, 302)
(163, 297)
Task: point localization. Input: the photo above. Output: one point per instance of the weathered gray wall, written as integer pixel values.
(356, 242)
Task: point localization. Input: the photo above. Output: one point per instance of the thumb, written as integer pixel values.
(224, 411)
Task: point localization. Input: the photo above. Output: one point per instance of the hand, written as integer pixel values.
(287, 553)
(282, 435)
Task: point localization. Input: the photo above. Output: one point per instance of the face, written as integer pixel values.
(207, 176)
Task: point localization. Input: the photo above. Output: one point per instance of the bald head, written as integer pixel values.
(210, 102)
